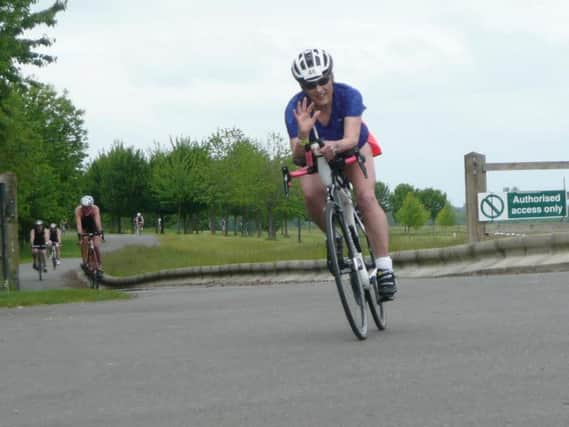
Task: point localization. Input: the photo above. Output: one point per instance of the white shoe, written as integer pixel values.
(58, 262)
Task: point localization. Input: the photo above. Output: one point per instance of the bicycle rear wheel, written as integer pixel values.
(54, 258)
(340, 257)
(92, 269)
(40, 265)
(372, 293)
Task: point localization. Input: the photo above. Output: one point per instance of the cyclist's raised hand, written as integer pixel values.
(305, 116)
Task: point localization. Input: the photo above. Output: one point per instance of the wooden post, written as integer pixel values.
(475, 182)
(9, 251)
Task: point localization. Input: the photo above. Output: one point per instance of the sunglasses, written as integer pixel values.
(312, 85)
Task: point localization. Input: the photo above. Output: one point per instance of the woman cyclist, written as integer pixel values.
(88, 220)
(335, 110)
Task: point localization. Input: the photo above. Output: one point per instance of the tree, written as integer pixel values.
(399, 195)
(43, 140)
(272, 194)
(179, 178)
(433, 200)
(446, 216)
(412, 213)
(118, 180)
(15, 19)
(383, 195)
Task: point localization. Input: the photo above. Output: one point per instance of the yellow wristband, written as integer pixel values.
(304, 141)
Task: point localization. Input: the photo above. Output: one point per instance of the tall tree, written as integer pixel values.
(399, 194)
(272, 194)
(412, 213)
(446, 215)
(179, 177)
(16, 18)
(120, 179)
(383, 196)
(43, 140)
(433, 200)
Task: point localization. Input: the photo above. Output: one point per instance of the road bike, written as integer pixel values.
(39, 259)
(91, 267)
(350, 258)
(52, 254)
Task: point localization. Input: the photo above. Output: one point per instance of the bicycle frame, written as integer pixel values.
(92, 271)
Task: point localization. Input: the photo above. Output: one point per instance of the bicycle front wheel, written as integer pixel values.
(341, 252)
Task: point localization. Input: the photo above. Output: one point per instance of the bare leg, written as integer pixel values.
(314, 198)
(374, 217)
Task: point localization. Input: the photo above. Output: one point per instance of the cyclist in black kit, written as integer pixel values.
(55, 240)
(39, 237)
(88, 220)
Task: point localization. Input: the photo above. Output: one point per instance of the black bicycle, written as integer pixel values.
(91, 267)
(39, 259)
(349, 255)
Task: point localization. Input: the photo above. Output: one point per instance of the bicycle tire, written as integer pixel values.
(40, 266)
(348, 283)
(372, 293)
(92, 269)
(54, 258)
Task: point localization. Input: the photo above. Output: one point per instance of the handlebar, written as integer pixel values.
(91, 235)
(337, 163)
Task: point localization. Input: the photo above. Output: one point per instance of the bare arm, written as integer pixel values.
(32, 236)
(78, 221)
(352, 126)
(98, 219)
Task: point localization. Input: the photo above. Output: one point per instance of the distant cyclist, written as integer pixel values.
(88, 220)
(335, 110)
(39, 236)
(55, 240)
(138, 223)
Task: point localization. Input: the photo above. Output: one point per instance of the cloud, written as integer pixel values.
(439, 79)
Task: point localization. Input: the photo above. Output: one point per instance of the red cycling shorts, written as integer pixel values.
(375, 148)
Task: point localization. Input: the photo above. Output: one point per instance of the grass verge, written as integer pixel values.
(58, 296)
(176, 251)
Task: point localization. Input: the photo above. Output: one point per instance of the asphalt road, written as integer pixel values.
(489, 351)
(63, 275)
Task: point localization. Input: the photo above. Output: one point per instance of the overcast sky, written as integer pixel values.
(440, 79)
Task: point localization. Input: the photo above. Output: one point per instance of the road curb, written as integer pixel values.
(520, 254)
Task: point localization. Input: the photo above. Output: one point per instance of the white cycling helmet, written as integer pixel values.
(138, 214)
(311, 65)
(87, 201)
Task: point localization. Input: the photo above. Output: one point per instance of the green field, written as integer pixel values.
(176, 250)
